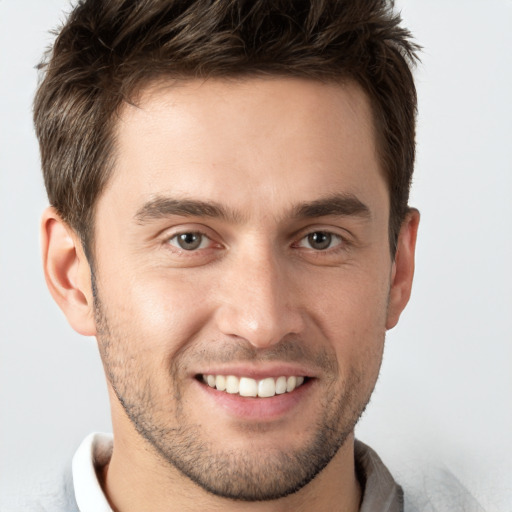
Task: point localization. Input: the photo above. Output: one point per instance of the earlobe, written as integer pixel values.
(67, 272)
(403, 268)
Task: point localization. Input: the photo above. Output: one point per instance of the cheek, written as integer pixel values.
(154, 313)
(147, 324)
(353, 302)
(351, 313)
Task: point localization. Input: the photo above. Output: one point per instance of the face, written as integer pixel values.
(242, 278)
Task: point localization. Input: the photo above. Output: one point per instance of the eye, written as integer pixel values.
(190, 241)
(320, 241)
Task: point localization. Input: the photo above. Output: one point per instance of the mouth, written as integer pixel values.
(253, 388)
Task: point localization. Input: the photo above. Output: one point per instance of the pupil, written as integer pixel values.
(189, 241)
(320, 240)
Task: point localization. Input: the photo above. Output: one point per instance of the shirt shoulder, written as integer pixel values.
(380, 491)
(53, 494)
(75, 489)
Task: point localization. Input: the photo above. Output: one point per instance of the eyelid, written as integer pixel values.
(341, 240)
(181, 229)
(339, 231)
(177, 235)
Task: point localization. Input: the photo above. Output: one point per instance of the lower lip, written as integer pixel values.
(258, 409)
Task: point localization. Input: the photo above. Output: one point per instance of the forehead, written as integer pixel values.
(256, 143)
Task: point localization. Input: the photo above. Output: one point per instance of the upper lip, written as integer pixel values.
(258, 372)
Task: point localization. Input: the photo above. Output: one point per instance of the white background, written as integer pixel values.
(443, 404)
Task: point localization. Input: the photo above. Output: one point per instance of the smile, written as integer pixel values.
(247, 387)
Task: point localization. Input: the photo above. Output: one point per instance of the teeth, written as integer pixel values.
(245, 386)
(232, 384)
(281, 385)
(291, 383)
(248, 387)
(267, 387)
(220, 382)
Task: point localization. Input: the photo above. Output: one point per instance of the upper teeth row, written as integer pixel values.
(246, 386)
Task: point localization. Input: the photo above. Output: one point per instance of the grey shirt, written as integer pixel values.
(380, 491)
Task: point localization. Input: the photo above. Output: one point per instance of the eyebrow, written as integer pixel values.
(340, 205)
(161, 207)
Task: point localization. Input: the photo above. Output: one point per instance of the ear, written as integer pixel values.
(403, 268)
(67, 272)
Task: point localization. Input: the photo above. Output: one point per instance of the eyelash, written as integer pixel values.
(190, 252)
(331, 237)
(341, 244)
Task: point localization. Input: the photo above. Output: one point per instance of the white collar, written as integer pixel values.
(95, 451)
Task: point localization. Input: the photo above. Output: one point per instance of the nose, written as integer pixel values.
(259, 300)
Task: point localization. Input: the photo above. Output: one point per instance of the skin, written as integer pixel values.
(257, 297)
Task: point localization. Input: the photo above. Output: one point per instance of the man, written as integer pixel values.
(228, 185)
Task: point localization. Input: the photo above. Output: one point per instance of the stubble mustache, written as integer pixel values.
(292, 350)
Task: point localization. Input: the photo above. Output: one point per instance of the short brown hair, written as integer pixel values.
(109, 49)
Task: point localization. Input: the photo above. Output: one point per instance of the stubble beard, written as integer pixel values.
(245, 476)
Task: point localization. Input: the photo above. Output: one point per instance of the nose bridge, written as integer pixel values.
(258, 299)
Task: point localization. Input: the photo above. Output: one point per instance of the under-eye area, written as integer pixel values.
(249, 387)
